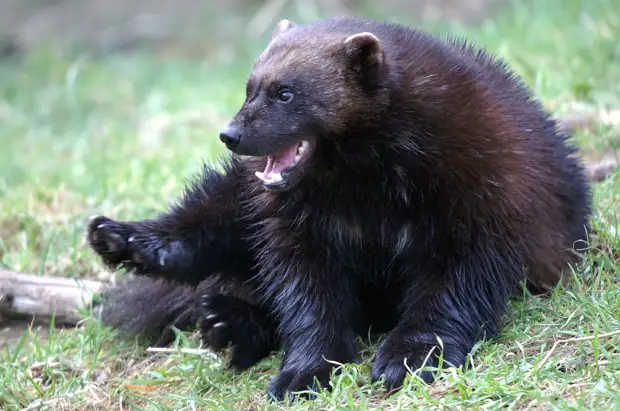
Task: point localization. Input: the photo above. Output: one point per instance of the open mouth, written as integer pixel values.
(284, 162)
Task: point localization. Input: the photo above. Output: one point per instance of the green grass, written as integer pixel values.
(82, 136)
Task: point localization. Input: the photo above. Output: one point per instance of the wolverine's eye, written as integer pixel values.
(285, 95)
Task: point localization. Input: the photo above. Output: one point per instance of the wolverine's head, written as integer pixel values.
(309, 88)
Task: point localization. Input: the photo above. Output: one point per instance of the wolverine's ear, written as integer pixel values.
(282, 26)
(364, 52)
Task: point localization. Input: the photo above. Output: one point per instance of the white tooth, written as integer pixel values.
(297, 158)
(271, 178)
(304, 144)
(301, 149)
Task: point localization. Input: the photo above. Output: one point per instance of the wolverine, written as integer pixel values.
(380, 178)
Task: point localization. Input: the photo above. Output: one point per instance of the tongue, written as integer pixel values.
(279, 162)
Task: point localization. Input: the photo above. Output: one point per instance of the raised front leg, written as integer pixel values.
(459, 307)
(317, 313)
(197, 237)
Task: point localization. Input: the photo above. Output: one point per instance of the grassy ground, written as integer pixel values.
(80, 136)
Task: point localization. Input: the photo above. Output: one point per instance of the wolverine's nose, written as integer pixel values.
(230, 135)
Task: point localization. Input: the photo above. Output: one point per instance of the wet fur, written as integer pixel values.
(437, 187)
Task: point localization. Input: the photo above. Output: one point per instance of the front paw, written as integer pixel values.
(227, 320)
(307, 377)
(398, 354)
(108, 239)
(118, 243)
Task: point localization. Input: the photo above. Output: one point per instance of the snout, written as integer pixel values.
(231, 136)
(246, 141)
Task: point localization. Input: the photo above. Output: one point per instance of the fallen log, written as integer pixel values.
(43, 297)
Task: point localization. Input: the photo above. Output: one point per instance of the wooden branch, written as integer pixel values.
(587, 121)
(42, 297)
(600, 169)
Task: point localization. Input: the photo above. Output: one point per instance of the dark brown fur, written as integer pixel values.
(435, 186)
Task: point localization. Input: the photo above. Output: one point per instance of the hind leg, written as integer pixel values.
(226, 320)
(225, 312)
(549, 258)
